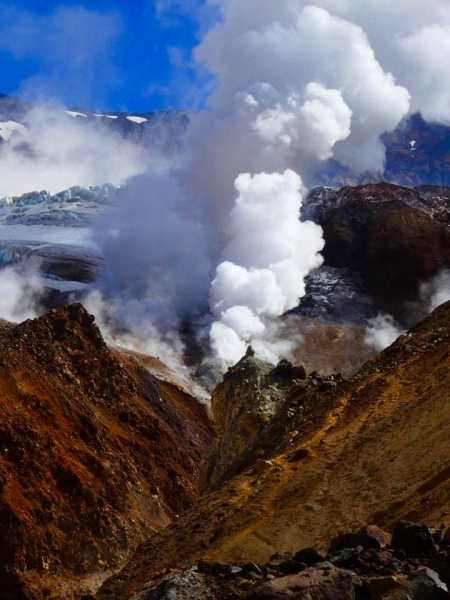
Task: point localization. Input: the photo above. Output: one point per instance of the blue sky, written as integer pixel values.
(131, 55)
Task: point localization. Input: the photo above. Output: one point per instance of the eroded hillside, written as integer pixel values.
(332, 456)
(96, 455)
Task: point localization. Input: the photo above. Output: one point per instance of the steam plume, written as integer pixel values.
(21, 289)
(382, 332)
(297, 82)
(264, 264)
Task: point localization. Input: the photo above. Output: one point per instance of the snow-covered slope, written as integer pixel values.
(53, 234)
(8, 128)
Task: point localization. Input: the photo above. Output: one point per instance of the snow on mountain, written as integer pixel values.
(73, 113)
(8, 128)
(137, 119)
(163, 129)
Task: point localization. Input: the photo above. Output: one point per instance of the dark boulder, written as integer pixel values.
(424, 584)
(413, 539)
(346, 557)
(292, 566)
(368, 537)
(309, 556)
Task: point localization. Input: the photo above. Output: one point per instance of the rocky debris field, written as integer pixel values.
(413, 564)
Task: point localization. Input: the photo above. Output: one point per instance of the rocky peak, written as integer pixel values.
(244, 404)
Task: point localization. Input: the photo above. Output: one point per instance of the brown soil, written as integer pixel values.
(329, 348)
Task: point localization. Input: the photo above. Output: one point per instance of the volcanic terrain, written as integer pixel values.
(96, 455)
(299, 459)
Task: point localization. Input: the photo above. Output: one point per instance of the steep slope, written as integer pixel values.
(96, 455)
(335, 456)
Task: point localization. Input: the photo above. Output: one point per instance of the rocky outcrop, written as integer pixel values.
(338, 455)
(96, 455)
(252, 393)
(395, 238)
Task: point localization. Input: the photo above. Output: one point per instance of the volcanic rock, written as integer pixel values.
(395, 238)
(424, 584)
(337, 295)
(243, 405)
(309, 556)
(379, 586)
(413, 539)
(311, 586)
(85, 434)
(368, 537)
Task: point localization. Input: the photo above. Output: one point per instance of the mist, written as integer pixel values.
(383, 330)
(21, 293)
(54, 151)
(436, 291)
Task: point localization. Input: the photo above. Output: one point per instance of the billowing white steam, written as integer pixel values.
(297, 85)
(264, 265)
(157, 263)
(411, 39)
(382, 332)
(20, 292)
(297, 50)
(436, 291)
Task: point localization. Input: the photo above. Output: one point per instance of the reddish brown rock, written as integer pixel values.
(387, 234)
(86, 437)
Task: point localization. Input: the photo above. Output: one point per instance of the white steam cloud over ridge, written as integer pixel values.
(264, 264)
(296, 85)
